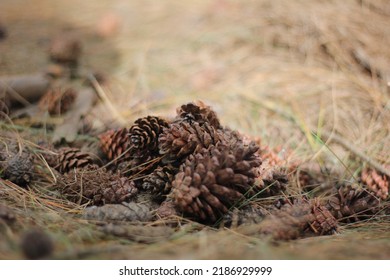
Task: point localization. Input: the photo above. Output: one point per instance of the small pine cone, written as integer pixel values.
(120, 189)
(65, 49)
(351, 204)
(272, 181)
(213, 180)
(95, 186)
(324, 222)
(198, 112)
(182, 139)
(71, 158)
(130, 212)
(116, 144)
(303, 218)
(57, 101)
(166, 209)
(159, 182)
(376, 182)
(144, 135)
(18, 168)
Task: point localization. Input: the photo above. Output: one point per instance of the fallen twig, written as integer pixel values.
(24, 88)
(349, 146)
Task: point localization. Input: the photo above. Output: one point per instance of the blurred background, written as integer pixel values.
(325, 62)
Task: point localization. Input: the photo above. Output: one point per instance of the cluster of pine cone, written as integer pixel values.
(193, 166)
(203, 168)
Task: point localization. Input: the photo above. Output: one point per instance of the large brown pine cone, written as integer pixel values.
(376, 182)
(198, 112)
(95, 186)
(116, 145)
(18, 168)
(159, 182)
(57, 101)
(71, 158)
(299, 219)
(213, 180)
(182, 139)
(144, 135)
(351, 204)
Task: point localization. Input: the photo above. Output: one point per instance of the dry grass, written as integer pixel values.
(279, 70)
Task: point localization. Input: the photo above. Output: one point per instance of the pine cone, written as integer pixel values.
(57, 101)
(159, 182)
(182, 139)
(130, 212)
(302, 218)
(71, 158)
(351, 204)
(376, 182)
(116, 145)
(18, 168)
(198, 112)
(213, 180)
(272, 181)
(144, 135)
(95, 186)
(166, 209)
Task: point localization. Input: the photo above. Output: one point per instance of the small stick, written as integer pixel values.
(24, 88)
(83, 104)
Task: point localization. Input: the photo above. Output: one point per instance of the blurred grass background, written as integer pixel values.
(277, 70)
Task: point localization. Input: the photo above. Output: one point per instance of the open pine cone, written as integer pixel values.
(182, 139)
(159, 182)
(297, 219)
(376, 182)
(70, 158)
(351, 204)
(18, 168)
(116, 145)
(144, 135)
(212, 180)
(95, 186)
(198, 112)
